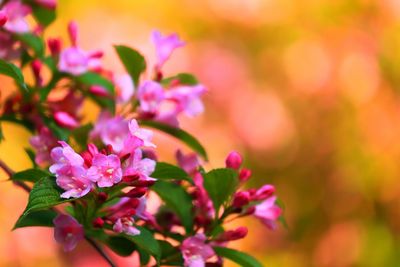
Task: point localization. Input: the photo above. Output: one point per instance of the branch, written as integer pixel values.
(100, 251)
(24, 186)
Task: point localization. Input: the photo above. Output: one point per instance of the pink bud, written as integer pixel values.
(241, 199)
(137, 192)
(264, 192)
(36, 68)
(73, 32)
(244, 175)
(98, 90)
(87, 157)
(98, 222)
(65, 120)
(102, 197)
(130, 178)
(3, 18)
(144, 183)
(49, 4)
(92, 148)
(233, 161)
(250, 211)
(231, 235)
(55, 45)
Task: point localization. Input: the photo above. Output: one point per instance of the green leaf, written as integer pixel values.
(44, 16)
(31, 156)
(177, 199)
(133, 61)
(168, 171)
(31, 175)
(34, 42)
(81, 134)
(242, 259)
(27, 124)
(37, 218)
(179, 134)
(171, 254)
(121, 245)
(1, 133)
(14, 72)
(146, 242)
(220, 185)
(183, 78)
(45, 194)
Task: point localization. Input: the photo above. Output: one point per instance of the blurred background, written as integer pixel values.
(307, 90)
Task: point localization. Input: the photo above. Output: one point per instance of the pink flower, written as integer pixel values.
(43, 143)
(234, 160)
(125, 225)
(142, 134)
(136, 165)
(195, 251)
(73, 179)
(124, 88)
(189, 162)
(232, 235)
(3, 18)
(263, 193)
(202, 202)
(187, 99)
(64, 156)
(268, 212)
(150, 95)
(74, 60)
(105, 171)
(16, 13)
(165, 45)
(65, 120)
(67, 231)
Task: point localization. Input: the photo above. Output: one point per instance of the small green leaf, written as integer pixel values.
(37, 218)
(168, 171)
(45, 194)
(121, 245)
(31, 175)
(179, 134)
(34, 42)
(133, 61)
(146, 242)
(44, 16)
(27, 124)
(170, 255)
(242, 259)
(220, 185)
(14, 72)
(31, 156)
(183, 78)
(176, 198)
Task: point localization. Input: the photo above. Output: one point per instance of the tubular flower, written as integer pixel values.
(67, 231)
(16, 13)
(165, 45)
(268, 212)
(195, 251)
(43, 143)
(105, 170)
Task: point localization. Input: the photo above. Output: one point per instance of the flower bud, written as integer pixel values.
(65, 120)
(143, 183)
(36, 68)
(98, 222)
(102, 197)
(244, 175)
(130, 178)
(3, 18)
(264, 192)
(233, 161)
(231, 235)
(73, 33)
(54, 46)
(98, 91)
(87, 157)
(136, 192)
(241, 199)
(249, 211)
(92, 148)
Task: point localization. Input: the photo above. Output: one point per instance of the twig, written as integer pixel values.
(100, 251)
(24, 186)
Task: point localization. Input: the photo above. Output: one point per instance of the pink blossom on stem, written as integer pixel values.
(105, 170)
(126, 225)
(64, 156)
(268, 212)
(263, 193)
(150, 95)
(233, 160)
(189, 162)
(16, 13)
(138, 166)
(196, 251)
(43, 143)
(73, 179)
(187, 99)
(67, 231)
(142, 134)
(74, 60)
(165, 45)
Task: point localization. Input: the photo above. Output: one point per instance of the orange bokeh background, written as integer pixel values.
(307, 90)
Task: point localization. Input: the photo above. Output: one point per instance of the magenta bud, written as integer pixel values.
(109, 149)
(233, 160)
(130, 178)
(73, 33)
(249, 211)
(98, 90)
(36, 68)
(136, 192)
(63, 119)
(102, 197)
(49, 4)
(244, 175)
(87, 158)
(98, 222)
(241, 199)
(55, 45)
(231, 235)
(3, 18)
(134, 203)
(92, 148)
(144, 183)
